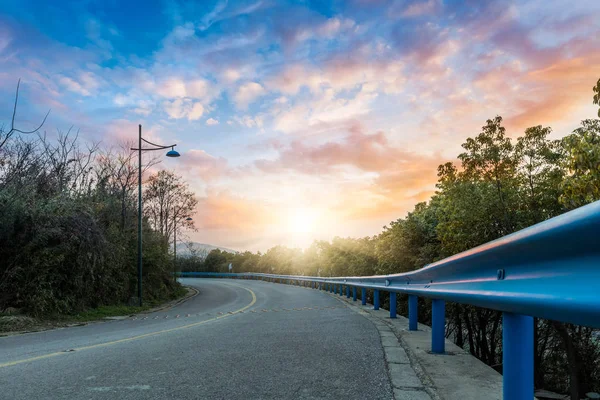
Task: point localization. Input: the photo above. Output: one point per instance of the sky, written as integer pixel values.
(299, 120)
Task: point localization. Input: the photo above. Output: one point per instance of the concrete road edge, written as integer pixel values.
(455, 375)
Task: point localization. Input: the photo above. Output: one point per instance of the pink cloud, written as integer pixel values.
(556, 91)
(200, 163)
(225, 211)
(248, 93)
(421, 8)
(396, 175)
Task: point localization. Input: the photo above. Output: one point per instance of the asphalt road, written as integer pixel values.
(235, 340)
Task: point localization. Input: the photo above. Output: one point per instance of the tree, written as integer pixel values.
(582, 161)
(596, 99)
(539, 174)
(168, 203)
(66, 243)
(489, 157)
(13, 129)
(216, 261)
(117, 174)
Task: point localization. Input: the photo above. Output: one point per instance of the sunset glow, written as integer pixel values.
(302, 221)
(300, 121)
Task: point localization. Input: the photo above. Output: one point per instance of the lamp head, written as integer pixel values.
(173, 153)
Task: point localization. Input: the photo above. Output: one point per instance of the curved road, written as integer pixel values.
(235, 340)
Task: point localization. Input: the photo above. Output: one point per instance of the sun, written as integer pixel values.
(301, 220)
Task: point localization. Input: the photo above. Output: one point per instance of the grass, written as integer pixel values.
(12, 323)
(108, 311)
(118, 310)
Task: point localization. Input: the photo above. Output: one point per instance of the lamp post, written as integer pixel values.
(175, 244)
(170, 153)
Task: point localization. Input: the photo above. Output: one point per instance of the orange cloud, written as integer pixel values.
(393, 176)
(556, 91)
(224, 211)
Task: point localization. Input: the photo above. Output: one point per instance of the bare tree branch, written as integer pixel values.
(14, 114)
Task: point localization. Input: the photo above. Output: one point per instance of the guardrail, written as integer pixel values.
(550, 270)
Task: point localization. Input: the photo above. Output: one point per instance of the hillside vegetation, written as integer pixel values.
(68, 226)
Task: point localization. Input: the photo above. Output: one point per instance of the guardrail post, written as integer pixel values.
(331, 288)
(353, 293)
(413, 312)
(347, 291)
(438, 326)
(363, 294)
(392, 304)
(376, 299)
(517, 356)
(341, 290)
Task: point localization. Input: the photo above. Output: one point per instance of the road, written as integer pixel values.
(234, 340)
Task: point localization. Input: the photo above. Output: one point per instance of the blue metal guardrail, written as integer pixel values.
(550, 270)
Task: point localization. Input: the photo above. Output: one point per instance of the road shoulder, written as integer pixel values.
(418, 374)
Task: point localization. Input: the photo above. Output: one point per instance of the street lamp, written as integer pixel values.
(175, 245)
(170, 153)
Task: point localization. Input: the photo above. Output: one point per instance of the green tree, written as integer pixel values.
(582, 161)
(596, 99)
(540, 174)
(490, 158)
(216, 261)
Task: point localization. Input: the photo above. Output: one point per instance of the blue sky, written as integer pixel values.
(300, 120)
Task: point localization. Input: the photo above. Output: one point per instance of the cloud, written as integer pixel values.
(541, 104)
(391, 176)
(221, 210)
(231, 75)
(247, 93)
(371, 94)
(326, 111)
(249, 121)
(196, 112)
(172, 88)
(183, 108)
(73, 85)
(175, 109)
(420, 8)
(200, 163)
(367, 152)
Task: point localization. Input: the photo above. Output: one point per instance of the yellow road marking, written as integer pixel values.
(94, 346)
